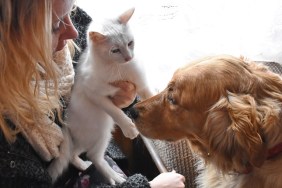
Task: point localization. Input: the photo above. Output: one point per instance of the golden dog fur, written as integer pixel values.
(230, 111)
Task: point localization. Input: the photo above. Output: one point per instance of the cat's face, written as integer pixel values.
(115, 43)
(121, 48)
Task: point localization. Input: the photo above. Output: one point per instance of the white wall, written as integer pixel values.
(167, 38)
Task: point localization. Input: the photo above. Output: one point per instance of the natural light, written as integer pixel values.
(170, 33)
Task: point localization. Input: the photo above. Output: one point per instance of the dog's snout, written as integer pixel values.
(133, 113)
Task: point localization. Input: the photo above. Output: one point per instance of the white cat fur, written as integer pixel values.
(91, 115)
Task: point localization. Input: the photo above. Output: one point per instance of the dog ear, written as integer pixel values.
(240, 137)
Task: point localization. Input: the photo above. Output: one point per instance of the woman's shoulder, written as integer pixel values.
(20, 165)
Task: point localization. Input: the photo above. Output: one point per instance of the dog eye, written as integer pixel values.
(171, 100)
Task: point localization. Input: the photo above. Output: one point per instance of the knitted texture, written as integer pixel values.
(20, 166)
(64, 61)
(45, 138)
(81, 21)
(114, 151)
(136, 181)
(273, 66)
(21, 183)
(178, 156)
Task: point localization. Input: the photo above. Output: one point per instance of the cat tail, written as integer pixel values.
(59, 164)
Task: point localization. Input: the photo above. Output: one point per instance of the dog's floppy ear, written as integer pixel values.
(240, 137)
(246, 124)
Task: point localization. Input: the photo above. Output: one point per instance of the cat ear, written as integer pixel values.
(123, 18)
(96, 37)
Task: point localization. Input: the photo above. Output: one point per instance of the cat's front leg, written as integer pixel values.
(129, 130)
(119, 117)
(79, 163)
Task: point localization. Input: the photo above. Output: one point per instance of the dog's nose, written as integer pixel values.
(133, 112)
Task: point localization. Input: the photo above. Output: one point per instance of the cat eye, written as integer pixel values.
(130, 43)
(115, 51)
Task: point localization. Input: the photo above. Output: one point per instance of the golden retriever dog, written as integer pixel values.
(230, 111)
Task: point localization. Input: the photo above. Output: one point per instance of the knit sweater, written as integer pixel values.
(21, 166)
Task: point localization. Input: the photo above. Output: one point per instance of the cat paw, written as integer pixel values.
(130, 131)
(119, 179)
(111, 181)
(87, 164)
(80, 164)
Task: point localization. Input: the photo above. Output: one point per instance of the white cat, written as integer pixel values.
(91, 114)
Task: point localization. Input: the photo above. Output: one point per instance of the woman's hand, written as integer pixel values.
(168, 180)
(126, 94)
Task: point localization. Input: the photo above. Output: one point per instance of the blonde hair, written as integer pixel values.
(25, 60)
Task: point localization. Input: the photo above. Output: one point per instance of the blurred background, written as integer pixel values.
(171, 33)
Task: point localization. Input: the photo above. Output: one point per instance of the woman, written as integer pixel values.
(32, 33)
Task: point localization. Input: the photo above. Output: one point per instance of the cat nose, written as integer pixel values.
(127, 58)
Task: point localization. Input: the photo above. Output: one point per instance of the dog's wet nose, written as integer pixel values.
(133, 113)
